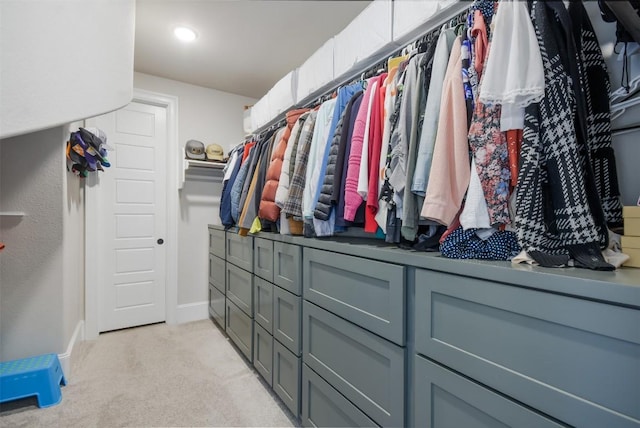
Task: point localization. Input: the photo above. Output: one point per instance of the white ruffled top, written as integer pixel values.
(513, 73)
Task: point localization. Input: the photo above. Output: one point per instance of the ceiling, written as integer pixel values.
(243, 46)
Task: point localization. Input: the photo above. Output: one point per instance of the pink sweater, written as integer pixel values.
(450, 170)
(352, 199)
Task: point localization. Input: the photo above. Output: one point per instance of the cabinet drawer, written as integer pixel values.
(240, 329)
(263, 303)
(286, 319)
(240, 288)
(445, 399)
(286, 377)
(339, 283)
(217, 242)
(217, 275)
(287, 267)
(263, 353)
(323, 406)
(368, 370)
(573, 359)
(240, 251)
(217, 306)
(263, 258)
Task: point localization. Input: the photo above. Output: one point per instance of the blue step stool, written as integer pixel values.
(40, 376)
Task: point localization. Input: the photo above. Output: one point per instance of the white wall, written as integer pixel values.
(63, 60)
(31, 266)
(209, 116)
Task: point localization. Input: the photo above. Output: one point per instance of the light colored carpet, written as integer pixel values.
(158, 375)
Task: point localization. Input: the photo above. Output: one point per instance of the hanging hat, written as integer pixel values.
(215, 152)
(194, 149)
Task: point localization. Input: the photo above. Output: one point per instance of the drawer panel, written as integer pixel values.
(240, 288)
(217, 274)
(338, 282)
(323, 406)
(286, 319)
(445, 399)
(263, 258)
(368, 370)
(286, 377)
(263, 353)
(240, 251)
(217, 242)
(287, 265)
(217, 306)
(240, 329)
(573, 359)
(263, 303)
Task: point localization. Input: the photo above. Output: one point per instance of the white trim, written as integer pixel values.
(92, 305)
(192, 312)
(65, 359)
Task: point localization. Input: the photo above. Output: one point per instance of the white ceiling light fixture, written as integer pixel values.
(185, 34)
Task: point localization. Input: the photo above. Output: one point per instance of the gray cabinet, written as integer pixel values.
(366, 369)
(263, 303)
(286, 377)
(240, 329)
(217, 242)
(575, 359)
(240, 288)
(323, 406)
(239, 251)
(367, 292)
(217, 272)
(217, 306)
(287, 265)
(263, 258)
(286, 319)
(444, 399)
(263, 353)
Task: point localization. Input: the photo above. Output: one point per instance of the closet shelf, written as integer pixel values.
(197, 170)
(12, 214)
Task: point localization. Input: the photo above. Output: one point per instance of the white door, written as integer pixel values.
(129, 257)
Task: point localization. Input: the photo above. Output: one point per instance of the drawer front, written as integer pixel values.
(323, 406)
(573, 359)
(366, 369)
(240, 288)
(338, 282)
(263, 353)
(217, 272)
(240, 251)
(263, 303)
(286, 319)
(286, 377)
(240, 329)
(263, 258)
(287, 267)
(217, 242)
(217, 306)
(445, 399)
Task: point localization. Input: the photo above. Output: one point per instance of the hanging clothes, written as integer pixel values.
(432, 111)
(289, 160)
(554, 215)
(338, 193)
(293, 205)
(373, 161)
(450, 172)
(232, 168)
(268, 209)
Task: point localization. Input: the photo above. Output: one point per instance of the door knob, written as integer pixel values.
(160, 241)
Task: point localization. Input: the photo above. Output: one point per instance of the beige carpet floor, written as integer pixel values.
(157, 375)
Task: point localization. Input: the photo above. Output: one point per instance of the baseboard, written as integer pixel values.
(65, 359)
(192, 312)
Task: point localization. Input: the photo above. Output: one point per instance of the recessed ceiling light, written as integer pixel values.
(185, 34)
